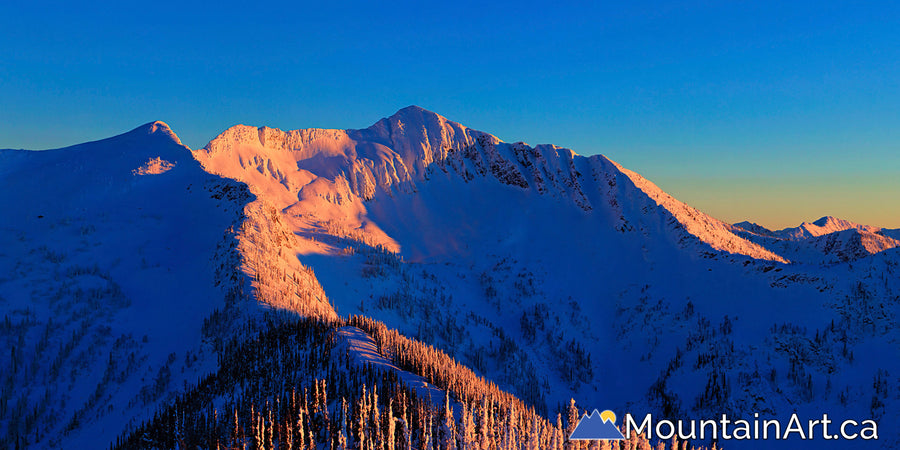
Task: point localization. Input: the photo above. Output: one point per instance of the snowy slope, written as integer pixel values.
(111, 254)
(555, 275)
(562, 276)
(823, 226)
(364, 351)
(320, 175)
(828, 240)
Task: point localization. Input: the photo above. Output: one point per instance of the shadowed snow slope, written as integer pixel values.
(106, 276)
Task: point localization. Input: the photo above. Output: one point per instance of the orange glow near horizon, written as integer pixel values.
(782, 202)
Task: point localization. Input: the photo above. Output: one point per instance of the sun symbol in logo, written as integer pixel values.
(608, 416)
(597, 426)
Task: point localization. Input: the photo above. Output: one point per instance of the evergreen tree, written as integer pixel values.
(390, 438)
(362, 421)
(467, 437)
(342, 433)
(448, 426)
(427, 427)
(405, 430)
(377, 441)
(573, 418)
(301, 428)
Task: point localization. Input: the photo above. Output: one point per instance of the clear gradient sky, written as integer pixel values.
(772, 111)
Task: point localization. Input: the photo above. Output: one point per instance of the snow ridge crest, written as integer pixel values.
(398, 153)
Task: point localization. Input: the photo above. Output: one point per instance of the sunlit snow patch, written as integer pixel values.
(154, 166)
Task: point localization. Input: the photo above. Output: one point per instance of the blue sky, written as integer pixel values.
(777, 112)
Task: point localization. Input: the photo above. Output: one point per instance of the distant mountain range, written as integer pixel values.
(132, 268)
(827, 240)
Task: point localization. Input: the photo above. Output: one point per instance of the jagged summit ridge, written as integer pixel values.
(398, 148)
(829, 224)
(392, 153)
(826, 240)
(399, 153)
(422, 137)
(822, 226)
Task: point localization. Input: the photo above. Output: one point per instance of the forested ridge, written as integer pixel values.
(294, 386)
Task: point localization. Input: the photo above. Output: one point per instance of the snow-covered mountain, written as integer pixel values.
(551, 274)
(823, 226)
(826, 241)
(554, 257)
(325, 175)
(111, 255)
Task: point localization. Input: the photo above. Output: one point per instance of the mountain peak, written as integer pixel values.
(753, 228)
(832, 223)
(157, 127)
(419, 124)
(822, 226)
(416, 114)
(413, 108)
(825, 220)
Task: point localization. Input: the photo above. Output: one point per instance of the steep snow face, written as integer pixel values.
(693, 223)
(108, 267)
(391, 154)
(321, 178)
(421, 137)
(555, 258)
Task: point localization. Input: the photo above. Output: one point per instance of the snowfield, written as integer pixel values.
(128, 263)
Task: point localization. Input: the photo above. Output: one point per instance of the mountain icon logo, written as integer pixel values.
(597, 425)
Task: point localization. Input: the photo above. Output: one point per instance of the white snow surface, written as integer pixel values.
(363, 350)
(516, 260)
(828, 240)
(494, 241)
(126, 262)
